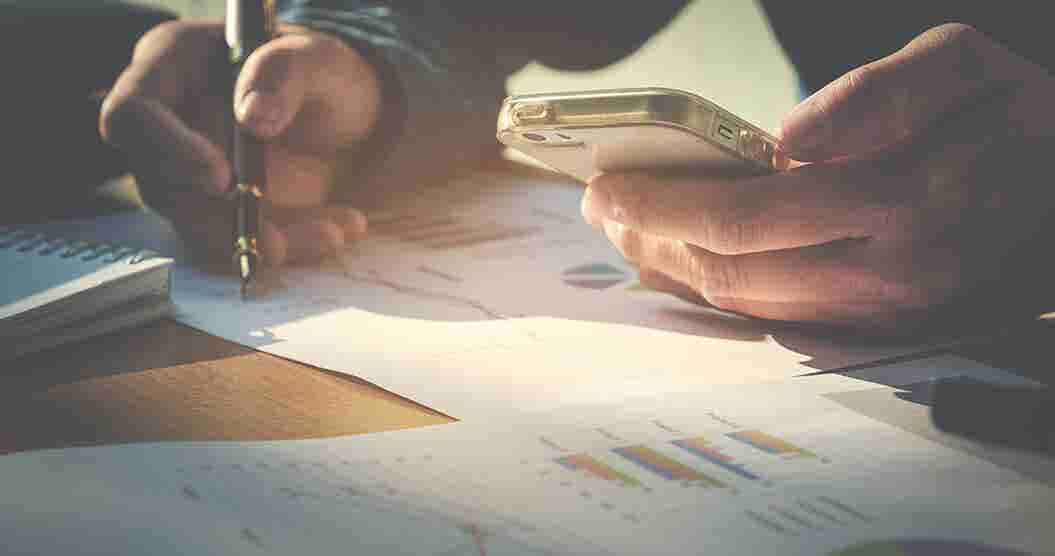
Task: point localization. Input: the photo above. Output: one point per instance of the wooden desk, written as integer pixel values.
(166, 381)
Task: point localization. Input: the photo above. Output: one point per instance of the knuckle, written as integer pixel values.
(730, 233)
(958, 35)
(163, 33)
(734, 222)
(719, 279)
(858, 81)
(961, 46)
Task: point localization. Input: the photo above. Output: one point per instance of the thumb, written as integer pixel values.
(271, 86)
(888, 100)
(298, 86)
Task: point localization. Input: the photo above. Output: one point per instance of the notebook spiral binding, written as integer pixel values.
(44, 245)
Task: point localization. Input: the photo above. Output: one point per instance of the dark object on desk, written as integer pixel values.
(249, 25)
(57, 56)
(1013, 416)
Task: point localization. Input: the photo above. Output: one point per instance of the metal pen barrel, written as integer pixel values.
(249, 25)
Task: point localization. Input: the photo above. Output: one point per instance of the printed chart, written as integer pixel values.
(758, 470)
(643, 481)
(771, 469)
(329, 503)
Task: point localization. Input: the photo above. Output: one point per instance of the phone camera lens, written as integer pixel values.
(534, 137)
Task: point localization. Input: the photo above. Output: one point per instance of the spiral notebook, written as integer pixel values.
(57, 290)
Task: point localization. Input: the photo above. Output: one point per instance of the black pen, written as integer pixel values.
(249, 24)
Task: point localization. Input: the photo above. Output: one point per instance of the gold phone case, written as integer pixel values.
(587, 132)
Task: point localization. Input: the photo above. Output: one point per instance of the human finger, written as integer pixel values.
(293, 92)
(287, 236)
(808, 205)
(300, 85)
(139, 114)
(885, 101)
(295, 236)
(203, 223)
(158, 143)
(824, 283)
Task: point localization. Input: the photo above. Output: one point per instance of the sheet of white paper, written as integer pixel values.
(487, 297)
(785, 468)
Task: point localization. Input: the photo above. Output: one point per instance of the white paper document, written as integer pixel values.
(487, 297)
(824, 465)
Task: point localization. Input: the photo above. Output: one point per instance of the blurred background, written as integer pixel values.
(720, 49)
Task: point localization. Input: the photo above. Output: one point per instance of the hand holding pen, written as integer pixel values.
(306, 95)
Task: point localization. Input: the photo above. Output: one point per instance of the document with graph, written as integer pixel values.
(486, 297)
(824, 465)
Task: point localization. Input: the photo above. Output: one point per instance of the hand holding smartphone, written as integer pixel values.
(585, 133)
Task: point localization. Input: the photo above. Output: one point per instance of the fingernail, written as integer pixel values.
(595, 207)
(781, 159)
(260, 112)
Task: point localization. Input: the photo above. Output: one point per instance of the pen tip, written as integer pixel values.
(245, 272)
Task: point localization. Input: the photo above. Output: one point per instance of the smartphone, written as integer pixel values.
(588, 132)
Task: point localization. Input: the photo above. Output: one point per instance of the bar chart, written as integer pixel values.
(597, 468)
(702, 449)
(737, 459)
(770, 444)
(665, 466)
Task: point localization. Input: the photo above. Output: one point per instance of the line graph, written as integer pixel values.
(372, 277)
(306, 503)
